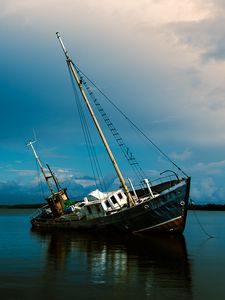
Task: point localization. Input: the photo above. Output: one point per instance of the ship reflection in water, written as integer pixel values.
(94, 266)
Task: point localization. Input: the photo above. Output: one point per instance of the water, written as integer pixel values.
(60, 265)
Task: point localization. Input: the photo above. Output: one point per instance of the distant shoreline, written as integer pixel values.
(212, 207)
(219, 207)
(22, 206)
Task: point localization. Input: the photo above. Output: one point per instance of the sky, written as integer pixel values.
(161, 62)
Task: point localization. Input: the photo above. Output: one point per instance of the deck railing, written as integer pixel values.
(38, 211)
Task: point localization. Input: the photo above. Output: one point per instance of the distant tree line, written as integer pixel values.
(209, 206)
(22, 205)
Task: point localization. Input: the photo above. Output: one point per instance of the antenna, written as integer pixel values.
(30, 144)
(34, 134)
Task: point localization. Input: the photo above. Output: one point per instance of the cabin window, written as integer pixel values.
(97, 208)
(113, 200)
(89, 209)
(107, 203)
(120, 195)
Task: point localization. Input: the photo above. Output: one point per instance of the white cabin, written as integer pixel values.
(98, 204)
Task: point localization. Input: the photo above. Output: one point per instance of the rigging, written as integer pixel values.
(95, 166)
(128, 119)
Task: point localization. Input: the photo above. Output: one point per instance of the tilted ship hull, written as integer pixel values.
(164, 213)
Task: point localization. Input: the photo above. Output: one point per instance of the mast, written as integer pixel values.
(30, 144)
(54, 178)
(79, 83)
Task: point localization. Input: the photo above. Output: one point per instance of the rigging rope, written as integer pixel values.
(41, 189)
(132, 123)
(96, 170)
(126, 151)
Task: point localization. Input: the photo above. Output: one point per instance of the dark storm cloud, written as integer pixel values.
(13, 192)
(207, 35)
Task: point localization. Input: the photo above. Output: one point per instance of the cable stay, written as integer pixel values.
(130, 122)
(126, 151)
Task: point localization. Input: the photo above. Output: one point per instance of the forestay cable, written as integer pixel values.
(131, 122)
(126, 151)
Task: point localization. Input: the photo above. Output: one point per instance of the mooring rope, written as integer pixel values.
(200, 224)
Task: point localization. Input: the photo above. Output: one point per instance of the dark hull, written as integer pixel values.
(165, 213)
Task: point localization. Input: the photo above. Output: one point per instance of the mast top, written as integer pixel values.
(30, 143)
(63, 47)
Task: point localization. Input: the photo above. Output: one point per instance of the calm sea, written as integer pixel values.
(60, 265)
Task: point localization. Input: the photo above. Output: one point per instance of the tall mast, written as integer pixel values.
(30, 144)
(79, 83)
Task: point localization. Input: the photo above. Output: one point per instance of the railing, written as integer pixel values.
(38, 211)
(163, 179)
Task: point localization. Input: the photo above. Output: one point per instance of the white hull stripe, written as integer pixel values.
(163, 223)
(173, 188)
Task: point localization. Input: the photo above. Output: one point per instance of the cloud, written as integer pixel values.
(216, 99)
(211, 168)
(34, 189)
(205, 33)
(21, 172)
(208, 182)
(207, 191)
(186, 154)
(13, 193)
(207, 36)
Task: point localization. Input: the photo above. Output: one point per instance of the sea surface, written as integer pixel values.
(68, 265)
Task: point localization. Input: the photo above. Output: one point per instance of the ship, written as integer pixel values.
(152, 207)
